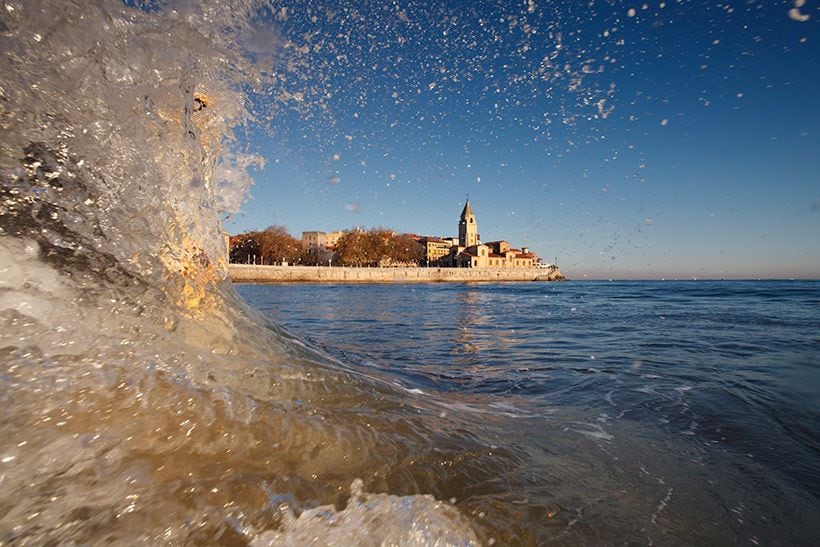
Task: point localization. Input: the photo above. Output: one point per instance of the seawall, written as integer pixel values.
(243, 273)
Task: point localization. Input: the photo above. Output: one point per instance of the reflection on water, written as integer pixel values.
(142, 402)
(469, 339)
(653, 412)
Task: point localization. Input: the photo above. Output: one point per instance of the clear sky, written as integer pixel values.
(659, 139)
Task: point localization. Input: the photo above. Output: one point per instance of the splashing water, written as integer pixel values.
(139, 400)
(143, 401)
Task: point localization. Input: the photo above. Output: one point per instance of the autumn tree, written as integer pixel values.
(377, 247)
(406, 250)
(310, 257)
(356, 247)
(351, 248)
(244, 247)
(277, 245)
(379, 244)
(274, 244)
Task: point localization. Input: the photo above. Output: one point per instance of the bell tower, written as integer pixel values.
(467, 227)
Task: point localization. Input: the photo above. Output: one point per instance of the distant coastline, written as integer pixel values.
(248, 273)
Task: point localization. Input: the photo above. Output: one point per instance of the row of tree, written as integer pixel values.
(378, 247)
(272, 245)
(374, 247)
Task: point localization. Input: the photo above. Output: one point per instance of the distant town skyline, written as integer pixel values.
(383, 246)
(660, 140)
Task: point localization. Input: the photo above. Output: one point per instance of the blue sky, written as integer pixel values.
(666, 139)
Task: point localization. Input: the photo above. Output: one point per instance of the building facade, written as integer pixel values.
(471, 253)
(436, 250)
(467, 227)
(320, 245)
(464, 251)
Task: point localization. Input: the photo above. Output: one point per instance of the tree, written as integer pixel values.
(244, 247)
(356, 247)
(310, 257)
(277, 245)
(406, 250)
(351, 248)
(377, 247)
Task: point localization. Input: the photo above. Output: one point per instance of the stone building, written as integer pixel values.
(436, 250)
(322, 245)
(467, 227)
(464, 251)
(471, 253)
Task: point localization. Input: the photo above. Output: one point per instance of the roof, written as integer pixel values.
(467, 211)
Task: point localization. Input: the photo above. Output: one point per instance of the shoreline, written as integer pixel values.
(248, 273)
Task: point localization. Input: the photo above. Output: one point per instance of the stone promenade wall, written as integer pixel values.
(242, 273)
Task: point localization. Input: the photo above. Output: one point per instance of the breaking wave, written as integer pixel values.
(141, 400)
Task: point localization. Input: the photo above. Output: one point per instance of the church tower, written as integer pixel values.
(467, 228)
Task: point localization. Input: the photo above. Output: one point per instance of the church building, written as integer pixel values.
(471, 253)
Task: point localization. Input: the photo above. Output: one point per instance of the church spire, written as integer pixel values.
(467, 211)
(467, 227)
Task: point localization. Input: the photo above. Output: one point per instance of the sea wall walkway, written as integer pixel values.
(245, 273)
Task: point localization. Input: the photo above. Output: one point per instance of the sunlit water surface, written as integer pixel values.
(141, 401)
(645, 411)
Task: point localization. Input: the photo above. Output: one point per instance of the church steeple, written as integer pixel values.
(467, 211)
(467, 227)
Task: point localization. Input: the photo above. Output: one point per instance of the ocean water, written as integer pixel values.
(649, 411)
(143, 401)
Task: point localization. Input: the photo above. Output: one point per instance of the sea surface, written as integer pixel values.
(683, 411)
(142, 401)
